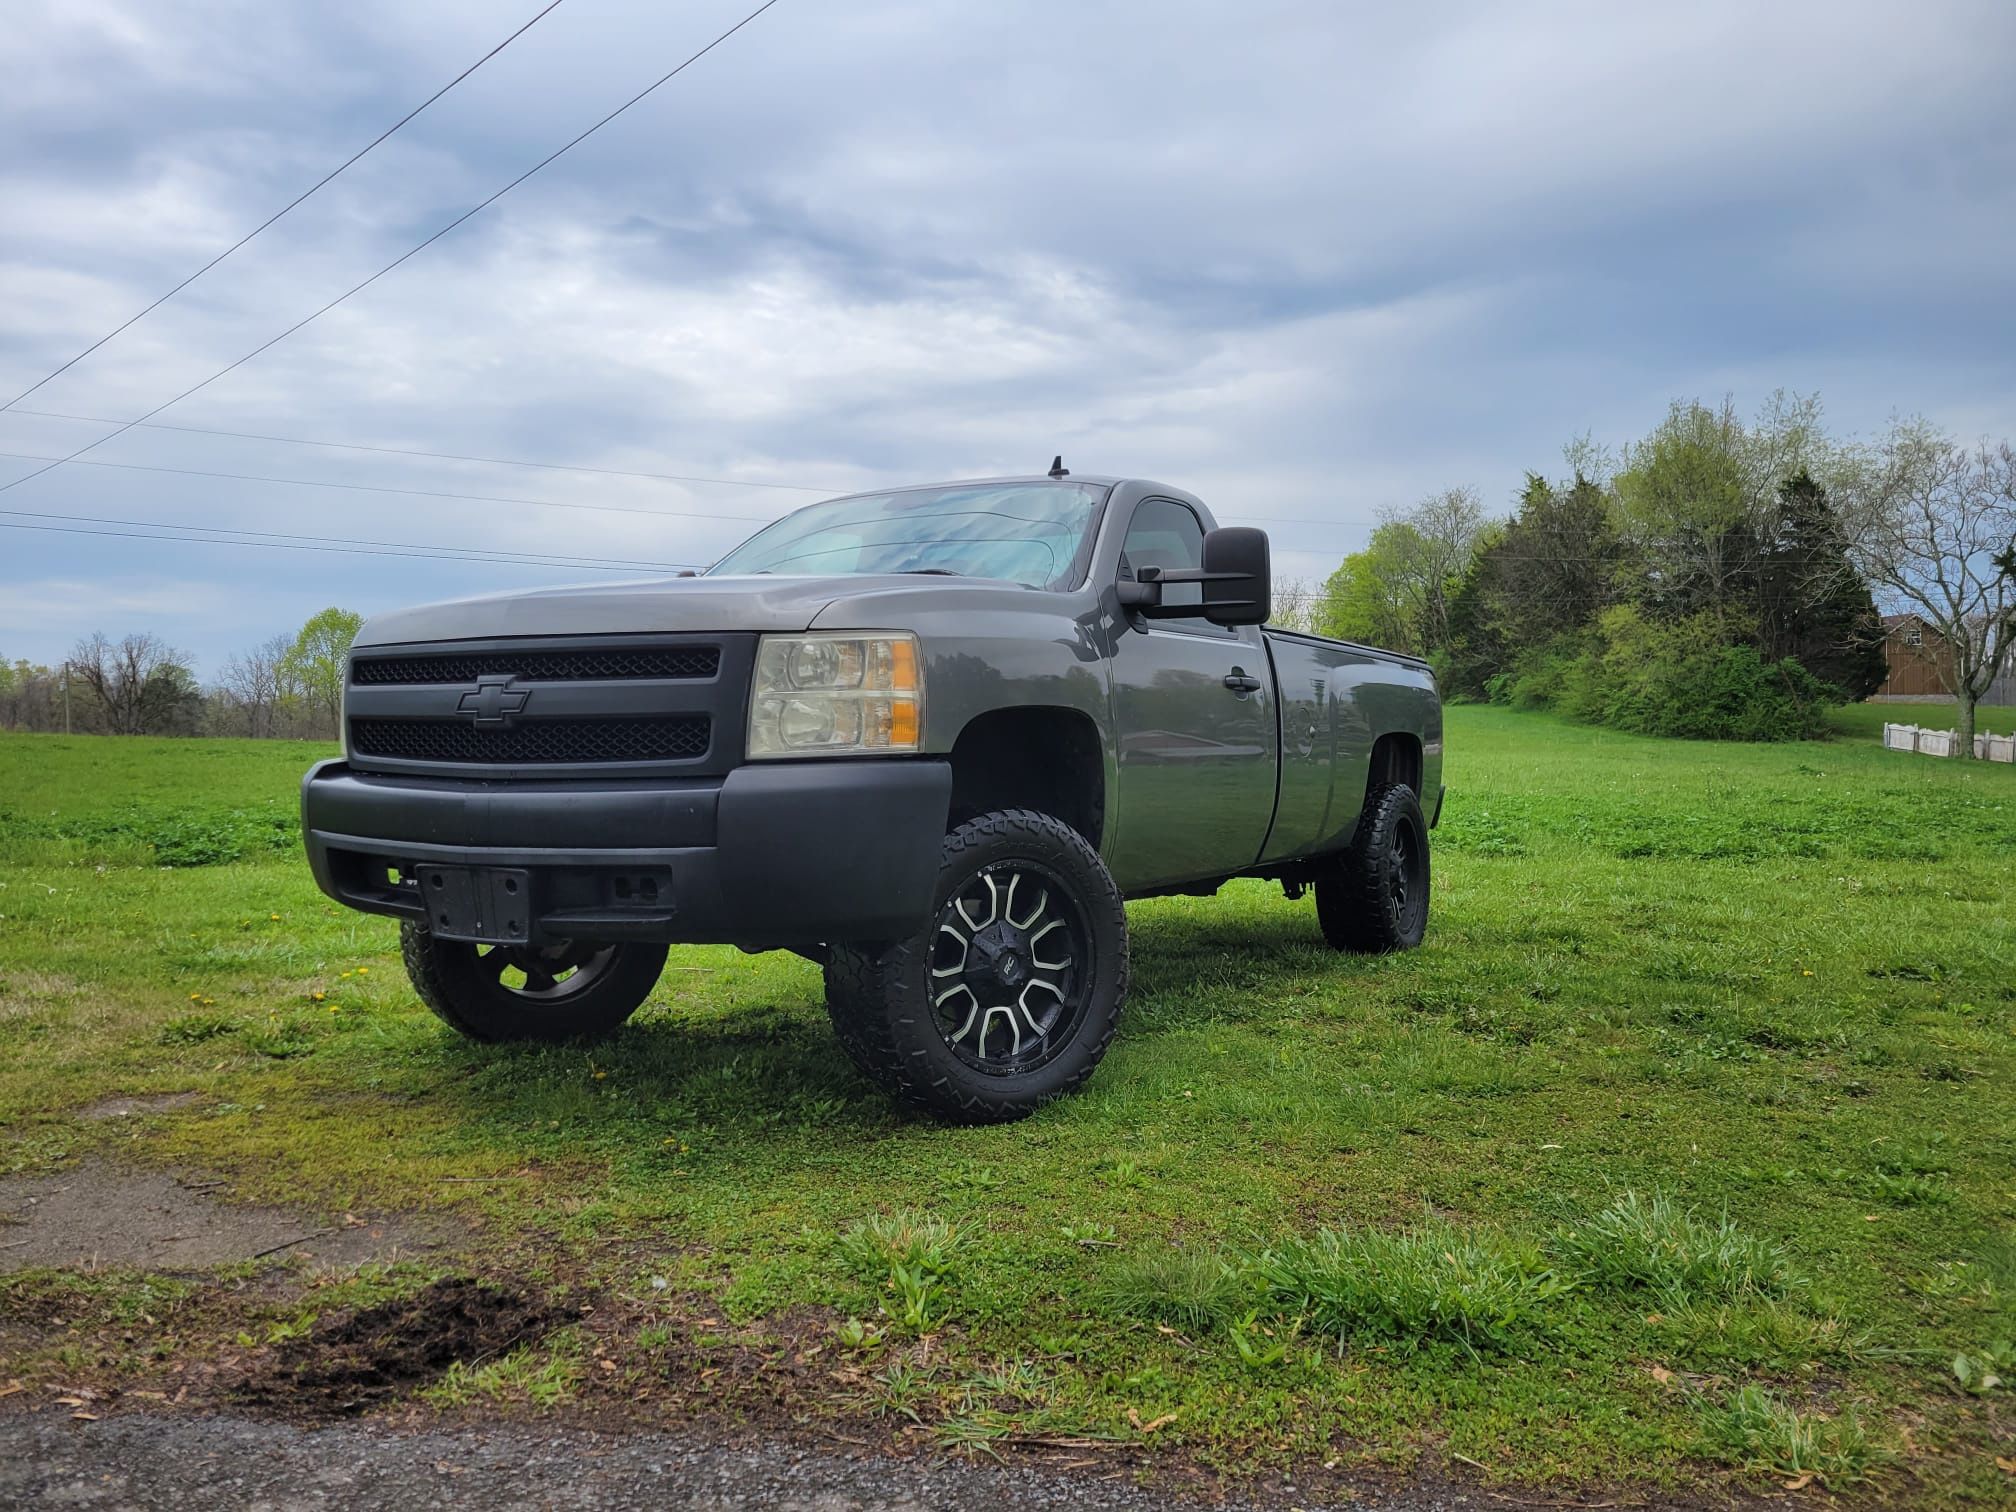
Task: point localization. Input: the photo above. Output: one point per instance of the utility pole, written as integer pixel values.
(66, 698)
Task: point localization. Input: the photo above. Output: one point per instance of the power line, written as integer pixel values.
(277, 214)
(437, 456)
(473, 553)
(405, 451)
(291, 546)
(402, 257)
(423, 493)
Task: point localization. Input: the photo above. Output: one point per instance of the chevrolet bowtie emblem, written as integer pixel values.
(494, 701)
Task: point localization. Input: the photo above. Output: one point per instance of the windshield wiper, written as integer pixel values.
(927, 572)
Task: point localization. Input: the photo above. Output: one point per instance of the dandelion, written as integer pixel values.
(363, 971)
(317, 996)
(274, 917)
(601, 1076)
(195, 997)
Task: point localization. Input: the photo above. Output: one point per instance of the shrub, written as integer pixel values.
(1695, 679)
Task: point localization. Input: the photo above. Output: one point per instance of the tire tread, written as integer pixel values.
(882, 1034)
(1351, 903)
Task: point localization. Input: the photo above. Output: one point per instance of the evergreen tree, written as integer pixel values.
(1547, 573)
(1812, 605)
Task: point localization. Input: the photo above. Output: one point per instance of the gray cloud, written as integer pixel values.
(1309, 259)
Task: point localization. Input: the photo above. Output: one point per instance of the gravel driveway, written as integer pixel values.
(133, 1461)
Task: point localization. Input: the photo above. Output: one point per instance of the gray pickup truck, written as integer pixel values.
(931, 738)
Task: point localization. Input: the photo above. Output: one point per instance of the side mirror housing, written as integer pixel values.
(1236, 578)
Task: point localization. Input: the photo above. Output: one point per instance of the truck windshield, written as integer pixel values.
(1029, 533)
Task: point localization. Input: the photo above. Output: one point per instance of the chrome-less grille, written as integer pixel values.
(676, 662)
(535, 742)
(551, 707)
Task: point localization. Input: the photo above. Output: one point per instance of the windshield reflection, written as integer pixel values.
(1029, 533)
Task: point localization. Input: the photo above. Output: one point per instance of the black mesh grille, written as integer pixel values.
(540, 666)
(678, 738)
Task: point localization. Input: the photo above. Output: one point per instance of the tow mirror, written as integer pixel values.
(1237, 579)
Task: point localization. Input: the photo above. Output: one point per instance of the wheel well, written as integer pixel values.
(1046, 759)
(1395, 758)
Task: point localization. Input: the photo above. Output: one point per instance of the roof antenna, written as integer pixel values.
(1058, 469)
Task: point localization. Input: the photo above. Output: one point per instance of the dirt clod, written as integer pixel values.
(350, 1360)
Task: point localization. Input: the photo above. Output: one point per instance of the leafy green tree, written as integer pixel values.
(315, 663)
(1684, 500)
(1366, 599)
(1397, 591)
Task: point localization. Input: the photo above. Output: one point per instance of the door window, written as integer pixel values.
(1168, 535)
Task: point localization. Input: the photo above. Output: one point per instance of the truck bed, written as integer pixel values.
(1335, 701)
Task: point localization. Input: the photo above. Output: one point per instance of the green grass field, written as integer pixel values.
(1865, 721)
(1683, 1155)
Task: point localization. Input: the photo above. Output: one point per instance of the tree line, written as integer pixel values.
(1721, 577)
(287, 687)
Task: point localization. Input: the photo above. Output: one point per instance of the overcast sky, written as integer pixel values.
(1308, 259)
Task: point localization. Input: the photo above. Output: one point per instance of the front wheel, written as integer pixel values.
(1375, 896)
(552, 993)
(1010, 995)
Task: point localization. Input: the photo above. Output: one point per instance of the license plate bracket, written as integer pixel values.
(488, 904)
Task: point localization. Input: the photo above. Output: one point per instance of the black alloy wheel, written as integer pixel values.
(1005, 978)
(572, 989)
(1009, 994)
(1374, 897)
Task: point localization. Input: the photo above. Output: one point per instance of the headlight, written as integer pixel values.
(836, 693)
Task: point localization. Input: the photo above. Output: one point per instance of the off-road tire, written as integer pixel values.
(451, 979)
(880, 997)
(1358, 905)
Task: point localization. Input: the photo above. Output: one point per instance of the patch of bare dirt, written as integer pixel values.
(349, 1361)
(136, 1107)
(100, 1215)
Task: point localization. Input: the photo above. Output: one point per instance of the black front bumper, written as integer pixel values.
(792, 855)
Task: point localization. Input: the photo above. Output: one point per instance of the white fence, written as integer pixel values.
(1898, 737)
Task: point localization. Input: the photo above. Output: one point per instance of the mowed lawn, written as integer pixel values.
(1683, 1155)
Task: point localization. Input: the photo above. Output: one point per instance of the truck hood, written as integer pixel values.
(658, 606)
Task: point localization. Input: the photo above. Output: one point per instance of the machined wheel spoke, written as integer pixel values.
(964, 945)
(1014, 1030)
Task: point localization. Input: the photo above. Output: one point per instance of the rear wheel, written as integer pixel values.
(570, 990)
(1010, 995)
(1375, 897)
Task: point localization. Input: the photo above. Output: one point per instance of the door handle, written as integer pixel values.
(1240, 683)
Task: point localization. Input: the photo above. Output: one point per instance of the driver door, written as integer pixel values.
(1193, 714)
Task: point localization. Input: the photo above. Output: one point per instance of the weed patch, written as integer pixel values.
(1756, 1429)
(1653, 1244)
(1407, 1290)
